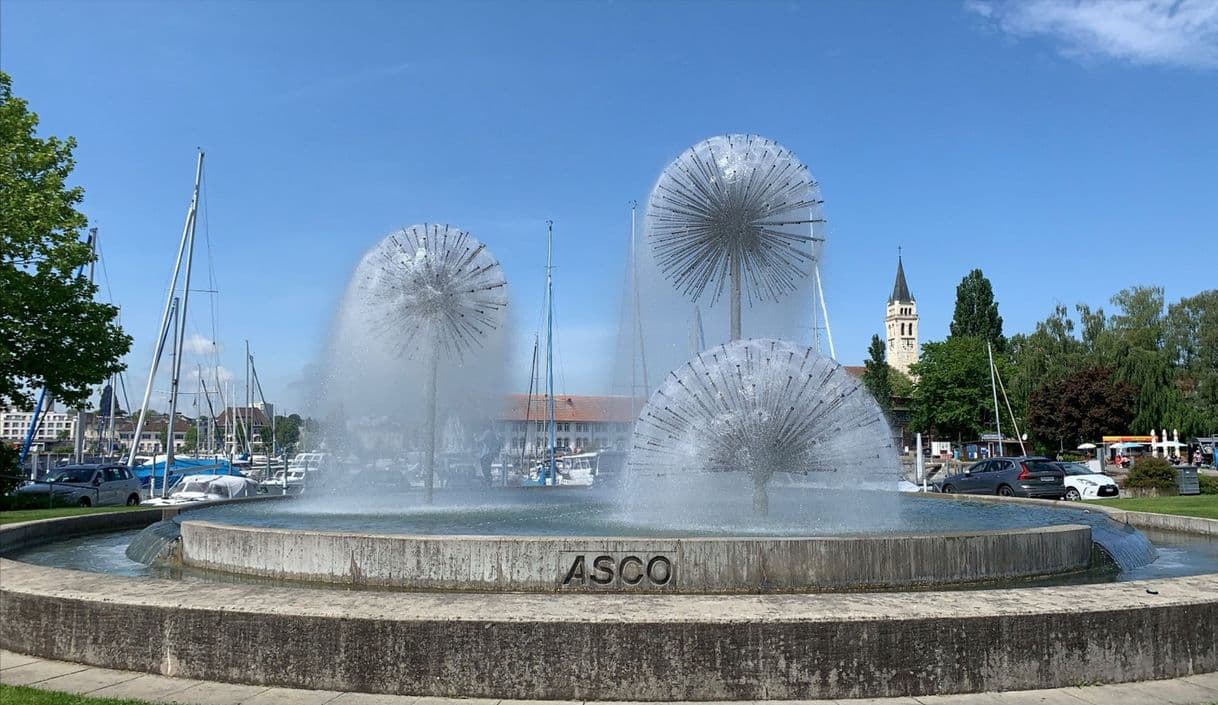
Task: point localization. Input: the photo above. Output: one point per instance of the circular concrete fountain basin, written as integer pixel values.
(755, 564)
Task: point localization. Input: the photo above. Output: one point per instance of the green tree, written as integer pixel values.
(1048, 354)
(1192, 341)
(976, 311)
(55, 335)
(287, 431)
(876, 377)
(953, 394)
(902, 385)
(1136, 346)
(1083, 406)
(192, 440)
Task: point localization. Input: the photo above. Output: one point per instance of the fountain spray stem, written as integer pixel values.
(761, 497)
(735, 303)
(429, 423)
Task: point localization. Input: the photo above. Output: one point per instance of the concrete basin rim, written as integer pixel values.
(644, 608)
(584, 538)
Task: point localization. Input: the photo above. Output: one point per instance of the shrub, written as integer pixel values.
(1150, 472)
(10, 471)
(1209, 484)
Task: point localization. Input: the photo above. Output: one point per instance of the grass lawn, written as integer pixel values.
(16, 515)
(21, 695)
(1200, 505)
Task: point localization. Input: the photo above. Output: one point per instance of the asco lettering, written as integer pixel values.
(631, 571)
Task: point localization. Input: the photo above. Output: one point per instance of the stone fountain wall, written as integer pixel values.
(634, 565)
(610, 646)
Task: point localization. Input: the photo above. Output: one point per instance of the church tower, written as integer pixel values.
(901, 324)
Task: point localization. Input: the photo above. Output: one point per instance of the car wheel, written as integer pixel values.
(1072, 495)
(1005, 491)
(84, 502)
(949, 489)
(133, 500)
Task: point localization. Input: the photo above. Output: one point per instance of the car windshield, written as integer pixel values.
(71, 475)
(1076, 469)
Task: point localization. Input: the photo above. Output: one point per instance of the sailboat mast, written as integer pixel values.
(553, 474)
(79, 440)
(110, 421)
(820, 290)
(198, 411)
(994, 387)
(528, 402)
(249, 412)
(638, 308)
(180, 340)
(187, 236)
(173, 397)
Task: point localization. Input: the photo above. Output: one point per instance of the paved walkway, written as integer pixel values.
(19, 669)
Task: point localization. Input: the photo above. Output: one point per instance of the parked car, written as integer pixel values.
(1025, 476)
(87, 485)
(1084, 483)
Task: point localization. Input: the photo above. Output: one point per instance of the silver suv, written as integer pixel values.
(89, 485)
(1026, 476)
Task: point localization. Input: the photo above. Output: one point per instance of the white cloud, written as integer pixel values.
(1162, 32)
(196, 344)
(210, 375)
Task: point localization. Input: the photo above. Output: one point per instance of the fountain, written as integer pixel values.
(436, 290)
(738, 211)
(671, 585)
(766, 407)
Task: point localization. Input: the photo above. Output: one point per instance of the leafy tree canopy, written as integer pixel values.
(1192, 340)
(976, 311)
(55, 335)
(953, 393)
(876, 374)
(1079, 407)
(902, 385)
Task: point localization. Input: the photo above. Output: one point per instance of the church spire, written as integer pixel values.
(900, 290)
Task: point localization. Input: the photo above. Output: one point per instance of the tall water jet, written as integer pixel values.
(765, 407)
(735, 211)
(438, 290)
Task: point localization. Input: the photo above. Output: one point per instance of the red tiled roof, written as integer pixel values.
(856, 370)
(244, 413)
(571, 408)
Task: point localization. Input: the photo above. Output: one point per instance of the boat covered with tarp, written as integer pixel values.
(155, 469)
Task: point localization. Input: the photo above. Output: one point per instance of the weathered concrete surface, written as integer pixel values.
(614, 646)
(1141, 520)
(1166, 522)
(16, 536)
(609, 646)
(685, 565)
(1193, 690)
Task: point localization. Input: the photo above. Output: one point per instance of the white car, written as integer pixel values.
(1084, 483)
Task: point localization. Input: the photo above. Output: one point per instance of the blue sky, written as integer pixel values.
(1067, 149)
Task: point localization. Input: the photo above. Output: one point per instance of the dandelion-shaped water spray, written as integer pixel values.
(436, 290)
(764, 407)
(735, 211)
